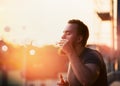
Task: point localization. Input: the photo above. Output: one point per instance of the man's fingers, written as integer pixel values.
(62, 82)
(63, 42)
(61, 79)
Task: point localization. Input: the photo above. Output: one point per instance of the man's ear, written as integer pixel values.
(80, 38)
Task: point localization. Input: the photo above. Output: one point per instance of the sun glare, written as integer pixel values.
(32, 52)
(4, 48)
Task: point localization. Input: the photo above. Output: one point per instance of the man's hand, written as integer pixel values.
(66, 46)
(62, 82)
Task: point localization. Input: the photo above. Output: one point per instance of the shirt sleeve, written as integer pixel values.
(92, 57)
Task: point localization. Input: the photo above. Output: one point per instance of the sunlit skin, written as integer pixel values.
(70, 38)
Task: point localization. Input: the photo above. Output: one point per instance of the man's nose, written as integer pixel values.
(63, 36)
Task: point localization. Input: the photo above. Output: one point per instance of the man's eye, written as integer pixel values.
(68, 33)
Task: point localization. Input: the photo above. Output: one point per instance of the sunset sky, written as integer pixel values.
(42, 21)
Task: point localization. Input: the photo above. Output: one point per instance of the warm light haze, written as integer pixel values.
(30, 28)
(42, 21)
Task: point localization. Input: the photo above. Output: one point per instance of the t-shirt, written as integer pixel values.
(94, 57)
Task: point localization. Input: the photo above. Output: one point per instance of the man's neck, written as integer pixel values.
(79, 50)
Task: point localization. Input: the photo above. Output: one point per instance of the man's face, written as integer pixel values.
(70, 33)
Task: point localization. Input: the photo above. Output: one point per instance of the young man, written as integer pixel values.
(86, 66)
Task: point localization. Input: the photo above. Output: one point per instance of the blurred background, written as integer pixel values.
(29, 30)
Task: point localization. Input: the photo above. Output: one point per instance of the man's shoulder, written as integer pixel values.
(92, 51)
(92, 56)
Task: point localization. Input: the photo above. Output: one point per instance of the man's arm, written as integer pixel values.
(85, 73)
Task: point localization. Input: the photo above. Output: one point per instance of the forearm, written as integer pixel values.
(82, 72)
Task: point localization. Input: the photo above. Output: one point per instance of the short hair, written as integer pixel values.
(82, 30)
